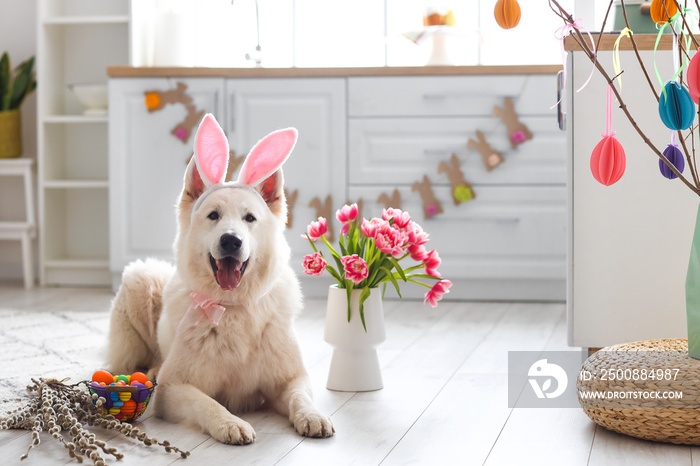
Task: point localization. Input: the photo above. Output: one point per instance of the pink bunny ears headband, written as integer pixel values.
(211, 153)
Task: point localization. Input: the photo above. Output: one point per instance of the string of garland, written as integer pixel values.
(61, 408)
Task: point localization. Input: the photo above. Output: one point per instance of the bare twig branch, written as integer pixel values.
(636, 52)
(602, 28)
(592, 56)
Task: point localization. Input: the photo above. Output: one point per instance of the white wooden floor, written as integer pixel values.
(444, 401)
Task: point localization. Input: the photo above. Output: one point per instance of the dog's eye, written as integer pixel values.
(250, 218)
(214, 215)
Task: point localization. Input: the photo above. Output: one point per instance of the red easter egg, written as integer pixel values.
(139, 377)
(608, 161)
(103, 377)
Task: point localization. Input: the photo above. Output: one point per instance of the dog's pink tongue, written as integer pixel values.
(229, 273)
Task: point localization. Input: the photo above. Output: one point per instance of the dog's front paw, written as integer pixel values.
(314, 425)
(237, 432)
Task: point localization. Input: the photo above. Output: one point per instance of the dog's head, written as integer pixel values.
(230, 229)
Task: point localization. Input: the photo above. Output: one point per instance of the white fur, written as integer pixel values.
(206, 373)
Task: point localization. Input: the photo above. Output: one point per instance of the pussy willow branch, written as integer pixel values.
(562, 13)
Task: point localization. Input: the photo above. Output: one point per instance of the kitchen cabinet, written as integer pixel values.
(364, 133)
(317, 167)
(507, 243)
(147, 165)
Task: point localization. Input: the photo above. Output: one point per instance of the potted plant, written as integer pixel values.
(15, 85)
(369, 256)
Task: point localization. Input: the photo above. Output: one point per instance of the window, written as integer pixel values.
(342, 33)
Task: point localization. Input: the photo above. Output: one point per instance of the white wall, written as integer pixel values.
(18, 38)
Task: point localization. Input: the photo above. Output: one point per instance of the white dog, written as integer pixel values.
(217, 328)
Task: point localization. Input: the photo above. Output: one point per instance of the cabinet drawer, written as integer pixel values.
(449, 95)
(506, 232)
(402, 150)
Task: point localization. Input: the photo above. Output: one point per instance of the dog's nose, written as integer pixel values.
(230, 243)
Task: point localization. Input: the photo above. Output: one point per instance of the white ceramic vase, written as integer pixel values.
(354, 365)
(439, 55)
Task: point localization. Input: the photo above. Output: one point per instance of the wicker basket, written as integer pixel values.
(662, 420)
(126, 403)
(10, 134)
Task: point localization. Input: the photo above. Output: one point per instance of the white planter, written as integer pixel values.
(355, 365)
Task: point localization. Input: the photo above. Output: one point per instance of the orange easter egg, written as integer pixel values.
(507, 13)
(139, 377)
(661, 10)
(102, 377)
(129, 408)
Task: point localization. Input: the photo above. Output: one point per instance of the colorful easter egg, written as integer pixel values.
(693, 77)
(507, 13)
(102, 377)
(675, 156)
(140, 394)
(676, 106)
(608, 161)
(122, 378)
(138, 377)
(662, 10)
(114, 411)
(129, 408)
(124, 396)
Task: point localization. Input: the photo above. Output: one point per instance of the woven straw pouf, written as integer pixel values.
(665, 366)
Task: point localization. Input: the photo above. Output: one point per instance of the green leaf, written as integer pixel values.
(363, 297)
(398, 267)
(348, 291)
(393, 280)
(23, 83)
(341, 242)
(335, 275)
(4, 80)
(311, 243)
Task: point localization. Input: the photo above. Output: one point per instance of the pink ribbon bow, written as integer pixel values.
(209, 309)
(560, 34)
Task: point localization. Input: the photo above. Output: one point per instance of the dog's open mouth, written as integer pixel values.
(227, 271)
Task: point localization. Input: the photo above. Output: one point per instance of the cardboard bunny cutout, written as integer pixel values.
(211, 155)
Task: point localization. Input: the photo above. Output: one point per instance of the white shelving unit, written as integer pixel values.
(77, 40)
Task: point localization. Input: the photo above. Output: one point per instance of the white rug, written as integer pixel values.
(69, 341)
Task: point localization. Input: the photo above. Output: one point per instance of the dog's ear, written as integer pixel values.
(194, 185)
(272, 191)
(211, 151)
(267, 157)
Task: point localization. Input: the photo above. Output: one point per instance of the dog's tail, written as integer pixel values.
(133, 342)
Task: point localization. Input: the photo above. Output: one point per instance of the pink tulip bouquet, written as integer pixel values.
(370, 253)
